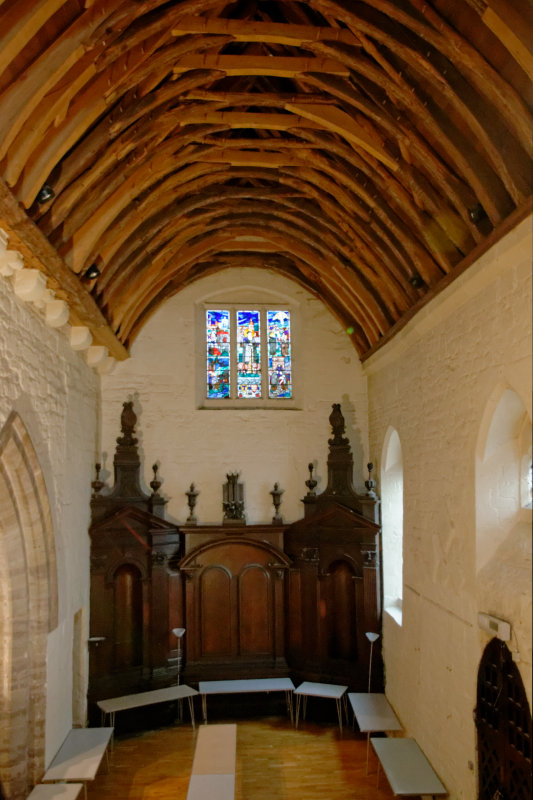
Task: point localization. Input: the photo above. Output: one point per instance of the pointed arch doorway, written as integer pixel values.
(28, 608)
(503, 722)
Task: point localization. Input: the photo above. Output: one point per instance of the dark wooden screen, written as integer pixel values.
(503, 721)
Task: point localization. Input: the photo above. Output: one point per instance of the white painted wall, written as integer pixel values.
(56, 395)
(432, 383)
(265, 446)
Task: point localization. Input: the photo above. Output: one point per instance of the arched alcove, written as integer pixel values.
(503, 520)
(392, 522)
(28, 608)
(502, 472)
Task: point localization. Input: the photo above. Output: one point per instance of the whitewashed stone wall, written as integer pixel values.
(56, 395)
(432, 384)
(265, 446)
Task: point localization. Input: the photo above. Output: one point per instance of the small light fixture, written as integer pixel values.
(416, 281)
(477, 214)
(372, 637)
(45, 194)
(179, 633)
(91, 273)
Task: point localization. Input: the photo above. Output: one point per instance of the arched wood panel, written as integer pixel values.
(128, 617)
(341, 617)
(215, 608)
(256, 612)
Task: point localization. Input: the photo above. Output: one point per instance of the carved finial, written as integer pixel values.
(370, 483)
(155, 483)
(128, 420)
(336, 420)
(233, 499)
(310, 482)
(192, 494)
(276, 493)
(97, 485)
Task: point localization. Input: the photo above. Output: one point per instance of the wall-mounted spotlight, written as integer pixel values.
(416, 281)
(45, 194)
(91, 273)
(477, 214)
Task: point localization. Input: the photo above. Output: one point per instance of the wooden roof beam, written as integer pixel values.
(279, 66)
(272, 32)
(340, 122)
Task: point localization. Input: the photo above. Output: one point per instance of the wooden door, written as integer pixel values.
(503, 721)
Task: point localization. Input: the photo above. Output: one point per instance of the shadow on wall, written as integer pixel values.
(352, 415)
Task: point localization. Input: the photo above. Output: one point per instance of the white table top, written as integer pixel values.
(373, 712)
(321, 689)
(406, 767)
(79, 756)
(146, 698)
(207, 787)
(56, 791)
(246, 685)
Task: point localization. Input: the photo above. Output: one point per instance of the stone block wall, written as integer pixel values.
(55, 395)
(432, 383)
(265, 446)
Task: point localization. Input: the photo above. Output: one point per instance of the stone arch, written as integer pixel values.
(391, 481)
(28, 608)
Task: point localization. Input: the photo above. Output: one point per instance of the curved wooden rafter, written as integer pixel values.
(378, 142)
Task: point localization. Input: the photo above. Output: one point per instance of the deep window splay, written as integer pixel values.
(248, 354)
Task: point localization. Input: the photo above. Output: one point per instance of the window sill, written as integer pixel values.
(248, 405)
(395, 611)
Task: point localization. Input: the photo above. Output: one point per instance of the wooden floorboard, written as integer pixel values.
(273, 761)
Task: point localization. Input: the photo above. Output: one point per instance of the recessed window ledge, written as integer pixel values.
(394, 610)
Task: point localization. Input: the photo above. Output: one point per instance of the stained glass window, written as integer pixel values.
(248, 354)
(218, 354)
(279, 354)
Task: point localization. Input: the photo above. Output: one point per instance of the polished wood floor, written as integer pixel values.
(274, 760)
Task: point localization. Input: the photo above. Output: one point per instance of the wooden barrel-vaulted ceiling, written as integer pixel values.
(368, 150)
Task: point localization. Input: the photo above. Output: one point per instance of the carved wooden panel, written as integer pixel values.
(334, 596)
(234, 606)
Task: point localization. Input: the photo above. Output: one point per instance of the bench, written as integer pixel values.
(128, 701)
(56, 791)
(330, 690)
(78, 759)
(373, 714)
(407, 769)
(213, 768)
(247, 685)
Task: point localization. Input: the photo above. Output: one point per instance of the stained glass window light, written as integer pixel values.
(279, 354)
(218, 354)
(248, 354)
